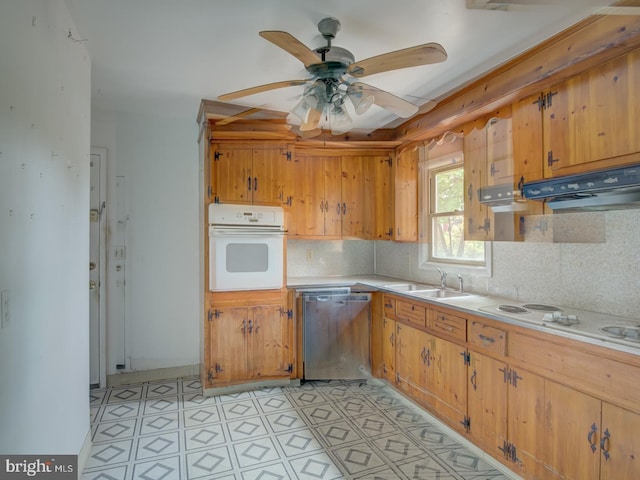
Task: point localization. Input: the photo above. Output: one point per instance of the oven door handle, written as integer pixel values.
(254, 232)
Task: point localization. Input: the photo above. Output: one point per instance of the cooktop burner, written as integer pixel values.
(631, 334)
(512, 309)
(541, 307)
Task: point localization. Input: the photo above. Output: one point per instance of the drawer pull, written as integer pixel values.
(486, 339)
(591, 437)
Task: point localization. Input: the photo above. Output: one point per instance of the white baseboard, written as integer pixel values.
(153, 375)
(83, 455)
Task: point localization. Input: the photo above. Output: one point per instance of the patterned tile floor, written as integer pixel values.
(321, 430)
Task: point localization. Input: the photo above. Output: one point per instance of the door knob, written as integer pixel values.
(92, 284)
(92, 265)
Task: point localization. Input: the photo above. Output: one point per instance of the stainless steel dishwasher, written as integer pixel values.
(335, 324)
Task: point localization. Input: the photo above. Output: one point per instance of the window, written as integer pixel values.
(446, 208)
(442, 217)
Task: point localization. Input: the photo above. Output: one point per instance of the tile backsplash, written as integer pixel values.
(602, 277)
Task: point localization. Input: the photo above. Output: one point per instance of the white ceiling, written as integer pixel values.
(164, 56)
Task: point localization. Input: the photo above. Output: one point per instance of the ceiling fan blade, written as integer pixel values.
(388, 101)
(408, 57)
(238, 116)
(291, 44)
(260, 88)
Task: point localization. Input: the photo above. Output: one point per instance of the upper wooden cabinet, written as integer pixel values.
(340, 195)
(405, 200)
(592, 120)
(247, 174)
(316, 205)
(478, 218)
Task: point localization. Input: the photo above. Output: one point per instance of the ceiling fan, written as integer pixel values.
(334, 79)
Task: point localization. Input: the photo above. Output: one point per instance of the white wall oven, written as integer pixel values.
(246, 247)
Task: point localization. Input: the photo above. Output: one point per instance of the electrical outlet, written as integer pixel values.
(4, 309)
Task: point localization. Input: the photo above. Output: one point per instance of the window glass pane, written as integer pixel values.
(448, 240)
(449, 186)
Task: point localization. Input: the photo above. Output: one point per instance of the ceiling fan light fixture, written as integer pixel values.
(339, 119)
(361, 101)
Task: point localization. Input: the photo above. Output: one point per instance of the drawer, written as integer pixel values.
(416, 314)
(447, 324)
(389, 306)
(488, 338)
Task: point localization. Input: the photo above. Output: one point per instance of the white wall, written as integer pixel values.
(44, 229)
(158, 157)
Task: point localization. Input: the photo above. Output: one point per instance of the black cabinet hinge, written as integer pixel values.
(466, 356)
(466, 423)
(486, 226)
(289, 313)
(209, 191)
(550, 159)
(216, 199)
(217, 369)
(288, 155)
(210, 315)
(545, 101)
(289, 368)
(389, 161)
(514, 378)
(216, 156)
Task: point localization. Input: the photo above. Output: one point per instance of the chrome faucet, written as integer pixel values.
(460, 284)
(443, 278)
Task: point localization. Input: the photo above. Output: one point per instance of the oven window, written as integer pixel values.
(247, 257)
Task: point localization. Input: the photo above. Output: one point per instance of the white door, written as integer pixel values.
(97, 230)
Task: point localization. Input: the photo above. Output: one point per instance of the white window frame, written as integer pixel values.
(425, 259)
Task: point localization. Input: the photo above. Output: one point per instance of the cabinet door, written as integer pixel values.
(308, 203)
(270, 353)
(525, 425)
(572, 433)
(228, 345)
(593, 117)
(566, 119)
(412, 357)
(477, 217)
(487, 402)
(499, 151)
(378, 212)
(353, 175)
(527, 139)
(620, 439)
(270, 176)
(449, 388)
(232, 176)
(405, 175)
(332, 177)
(389, 350)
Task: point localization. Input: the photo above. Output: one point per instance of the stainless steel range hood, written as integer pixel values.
(612, 189)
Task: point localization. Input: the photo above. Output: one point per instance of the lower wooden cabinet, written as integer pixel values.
(247, 342)
(500, 390)
(389, 349)
(487, 401)
(448, 377)
(589, 438)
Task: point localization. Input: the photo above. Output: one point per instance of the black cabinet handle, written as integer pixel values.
(604, 444)
(591, 437)
(474, 380)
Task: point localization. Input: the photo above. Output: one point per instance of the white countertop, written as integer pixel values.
(586, 331)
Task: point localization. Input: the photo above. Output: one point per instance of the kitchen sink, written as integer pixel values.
(438, 293)
(407, 287)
